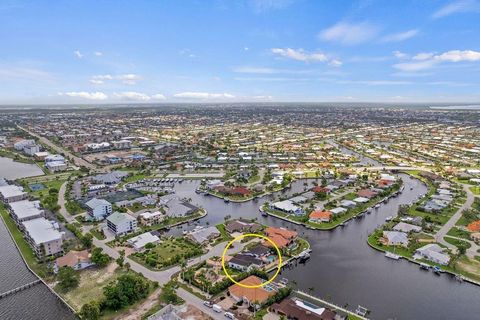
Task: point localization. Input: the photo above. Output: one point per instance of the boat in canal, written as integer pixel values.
(424, 266)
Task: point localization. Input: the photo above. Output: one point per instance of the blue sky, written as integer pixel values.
(239, 50)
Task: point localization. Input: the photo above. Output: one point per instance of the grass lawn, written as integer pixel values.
(138, 206)
(22, 244)
(459, 233)
(475, 190)
(97, 234)
(54, 184)
(225, 236)
(92, 282)
(457, 243)
(168, 253)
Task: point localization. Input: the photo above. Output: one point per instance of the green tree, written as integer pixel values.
(90, 311)
(67, 278)
(99, 258)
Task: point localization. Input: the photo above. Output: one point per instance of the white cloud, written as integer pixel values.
(400, 55)
(401, 36)
(98, 53)
(85, 95)
(78, 54)
(203, 95)
(8, 72)
(349, 33)
(424, 61)
(246, 49)
(300, 55)
(132, 96)
(129, 79)
(158, 96)
(335, 63)
(457, 7)
(100, 79)
(263, 98)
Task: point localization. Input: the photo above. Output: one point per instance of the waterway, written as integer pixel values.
(12, 170)
(346, 271)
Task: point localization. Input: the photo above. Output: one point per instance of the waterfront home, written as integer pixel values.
(395, 238)
(320, 216)
(348, 203)
(360, 200)
(151, 218)
(259, 251)
(432, 252)
(282, 237)
(367, 193)
(78, 260)
(245, 262)
(319, 189)
(287, 206)
(204, 235)
(294, 308)
(25, 210)
(120, 223)
(242, 226)
(98, 209)
(139, 242)
(12, 193)
(406, 227)
(298, 199)
(251, 296)
(179, 208)
(338, 210)
(43, 236)
(211, 184)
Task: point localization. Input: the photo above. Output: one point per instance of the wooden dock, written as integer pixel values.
(21, 288)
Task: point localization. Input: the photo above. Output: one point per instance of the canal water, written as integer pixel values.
(346, 271)
(12, 170)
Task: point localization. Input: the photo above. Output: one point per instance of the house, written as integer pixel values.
(348, 203)
(242, 226)
(395, 238)
(211, 184)
(40, 156)
(244, 174)
(78, 260)
(151, 218)
(319, 189)
(245, 262)
(338, 210)
(320, 216)
(43, 236)
(287, 206)
(25, 210)
(361, 200)
(54, 158)
(139, 242)
(31, 149)
(406, 227)
(204, 235)
(178, 208)
(12, 193)
(259, 251)
(121, 223)
(474, 226)
(294, 308)
(432, 252)
(259, 295)
(98, 209)
(283, 238)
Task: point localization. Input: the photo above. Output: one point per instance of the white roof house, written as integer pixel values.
(338, 210)
(432, 252)
(204, 235)
(406, 227)
(11, 193)
(43, 236)
(396, 238)
(287, 206)
(139, 242)
(361, 200)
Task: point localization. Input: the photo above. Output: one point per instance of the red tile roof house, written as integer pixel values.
(283, 238)
(78, 260)
(320, 216)
(367, 193)
(319, 189)
(382, 183)
(240, 191)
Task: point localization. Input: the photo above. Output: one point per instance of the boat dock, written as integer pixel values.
(21, 288)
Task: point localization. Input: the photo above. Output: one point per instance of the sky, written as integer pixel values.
(82, 51)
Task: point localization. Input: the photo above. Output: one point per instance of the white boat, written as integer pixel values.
(377, 206)
(392, 256)
(389, 218)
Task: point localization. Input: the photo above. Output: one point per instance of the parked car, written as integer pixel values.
(217, 308)
(229, 315)
(208, 304)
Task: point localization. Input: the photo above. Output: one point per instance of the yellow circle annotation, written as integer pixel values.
(256, 236)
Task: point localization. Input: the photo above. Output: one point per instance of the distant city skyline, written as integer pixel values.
(90, 52)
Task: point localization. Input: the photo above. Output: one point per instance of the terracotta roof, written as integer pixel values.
(474, 226)
(251, 294)
(72, 258)
(320, 215)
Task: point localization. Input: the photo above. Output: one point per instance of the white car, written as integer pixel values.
(208, 304)
(229, 315)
